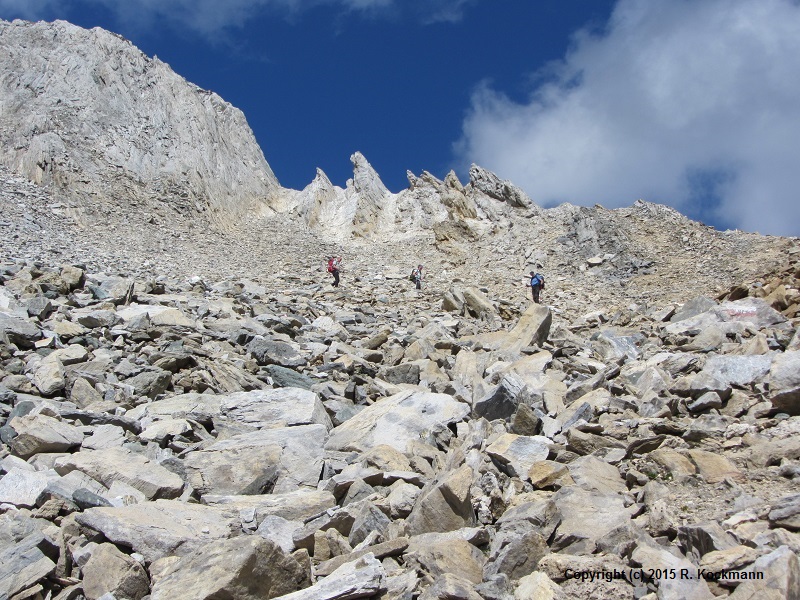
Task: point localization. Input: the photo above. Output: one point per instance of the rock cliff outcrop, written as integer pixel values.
(86, 111)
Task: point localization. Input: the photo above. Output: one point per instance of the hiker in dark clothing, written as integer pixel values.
(536, 284)
(334, 263)
(416, 277)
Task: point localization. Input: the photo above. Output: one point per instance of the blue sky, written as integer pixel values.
(691, 103)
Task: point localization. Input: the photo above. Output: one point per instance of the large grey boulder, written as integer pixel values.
(518, 453)
(532, 329)
(197, 407)
(23, 564)
(785, 513)
(109, 571)
(651, 556)
(18, 331)
(271, 352)
(162, 528)
(438, 557)
(49, 377)
(693, 308)
(230, 466)
(397, 420)
(586, 517)
(779, 577)
(115, 464)
(299, 505)
(741, 371)
(22, 488)
(276, 408)
(362, 578)
(784, 382)
(445, 504)
(245, 568)
(40, 433)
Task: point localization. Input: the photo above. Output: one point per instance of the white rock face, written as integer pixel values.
(89, 112)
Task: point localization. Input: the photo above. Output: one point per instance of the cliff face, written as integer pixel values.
(88, 112)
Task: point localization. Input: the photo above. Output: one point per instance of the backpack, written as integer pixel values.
(537, 280)
(413, 275)
(330, 266)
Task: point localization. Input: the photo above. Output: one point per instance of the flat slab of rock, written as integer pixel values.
(162, 528)
(40, 433)
(738, 370)
(299, 505)
(21, 487)
(281, 407)
(518, 453)
(113, 464)
(158, 315)
(382, 550)
(230, 466)
(713, 467)
(198, 407)
(22, 565)
(585, 518)
(245, 568)
(532, 329)
(397, 420)
(361, 578)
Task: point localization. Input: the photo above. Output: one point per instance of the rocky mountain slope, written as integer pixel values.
(88, 112)
(183, 439)
(188, 409)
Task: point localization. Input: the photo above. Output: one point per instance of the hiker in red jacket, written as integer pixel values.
(334, 263)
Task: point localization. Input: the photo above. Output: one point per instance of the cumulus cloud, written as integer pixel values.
(691, 103)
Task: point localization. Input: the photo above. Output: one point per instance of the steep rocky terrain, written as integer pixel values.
(88, 112)
(189, 410)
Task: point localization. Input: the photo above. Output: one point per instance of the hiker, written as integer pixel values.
(416, 277)
(536, 284)
(334, 264)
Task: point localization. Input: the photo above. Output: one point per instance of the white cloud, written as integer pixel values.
(676, 101)
(444, 11)
(208, 17)
(26, 9)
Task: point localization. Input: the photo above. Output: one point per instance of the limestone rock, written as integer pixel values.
(23, 564)
(22, 488)
(121, 88)
(784, 382)
(362, 578)
(40, 433)
(713, 467)
(110, 465)
(109, 571)
(276, 408)
(248, 567)
(162, 528)
(518, 453)
(292, 454)
(445, 504)
(396, 421)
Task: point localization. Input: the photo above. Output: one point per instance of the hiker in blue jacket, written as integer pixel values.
(536, 284)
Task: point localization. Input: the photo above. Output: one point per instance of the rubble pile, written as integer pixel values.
(192, 439)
